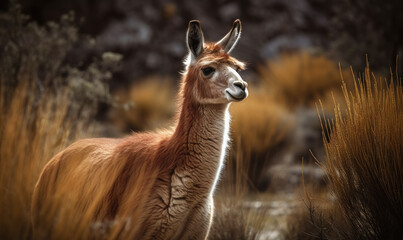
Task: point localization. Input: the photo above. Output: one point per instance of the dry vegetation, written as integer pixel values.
(31, 133)
(364, 166)
(44, 105)
(364, 158)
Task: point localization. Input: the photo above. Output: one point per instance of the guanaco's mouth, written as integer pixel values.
(237, 96)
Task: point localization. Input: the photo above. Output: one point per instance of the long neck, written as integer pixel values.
(202, 136)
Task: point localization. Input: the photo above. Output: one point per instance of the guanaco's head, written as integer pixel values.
(212, 74)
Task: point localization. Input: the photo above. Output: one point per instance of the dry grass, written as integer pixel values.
(364, 157)
(32, 131)
(364, 166)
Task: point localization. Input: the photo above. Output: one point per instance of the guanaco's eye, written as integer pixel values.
(207, 71)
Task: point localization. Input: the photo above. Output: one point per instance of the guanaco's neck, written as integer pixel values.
(202, 136)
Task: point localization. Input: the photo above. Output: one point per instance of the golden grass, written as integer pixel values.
(32, 131)
(364, 165)
(364, 157)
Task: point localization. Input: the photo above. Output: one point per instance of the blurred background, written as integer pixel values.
(113, 67)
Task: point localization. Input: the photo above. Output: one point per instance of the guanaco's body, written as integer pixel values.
(160, 184)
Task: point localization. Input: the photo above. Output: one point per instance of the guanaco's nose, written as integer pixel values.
(241, 85)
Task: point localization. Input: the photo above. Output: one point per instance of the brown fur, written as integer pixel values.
(161, 184)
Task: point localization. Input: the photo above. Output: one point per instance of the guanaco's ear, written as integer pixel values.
(229, 41)
(195, 39)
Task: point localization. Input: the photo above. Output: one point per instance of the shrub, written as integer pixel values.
(38, 54)
(364, 163)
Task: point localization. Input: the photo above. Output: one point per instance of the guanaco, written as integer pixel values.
(159, 184)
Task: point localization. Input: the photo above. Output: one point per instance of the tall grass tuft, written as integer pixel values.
(44, 105)
(32, 131)
(365, 157)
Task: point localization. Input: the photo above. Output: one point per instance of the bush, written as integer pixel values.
(301, 79)
(38, 55)
(364, 147)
